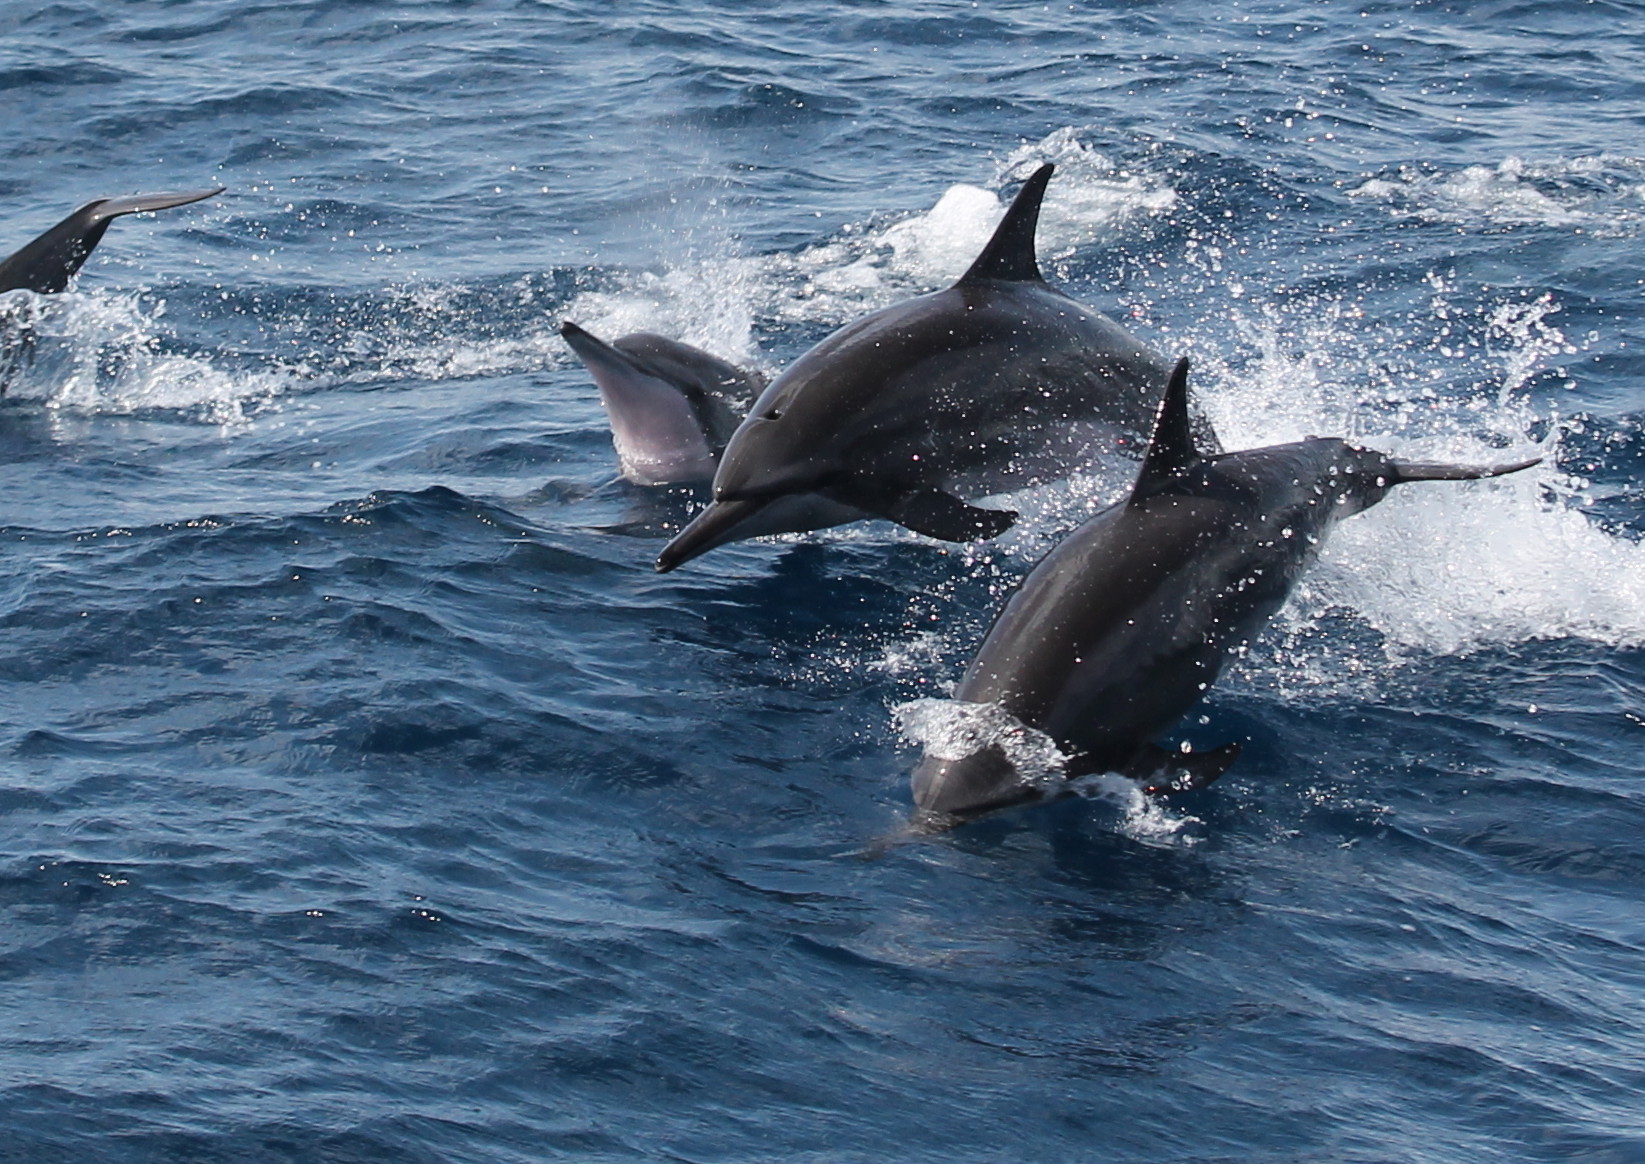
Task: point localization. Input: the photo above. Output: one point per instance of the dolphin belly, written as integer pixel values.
(655, 433)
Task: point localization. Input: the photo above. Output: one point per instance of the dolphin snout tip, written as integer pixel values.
(676, 554)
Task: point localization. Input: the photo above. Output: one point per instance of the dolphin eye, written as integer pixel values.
(773, 414)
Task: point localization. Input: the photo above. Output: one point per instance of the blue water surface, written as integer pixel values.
(365, 795)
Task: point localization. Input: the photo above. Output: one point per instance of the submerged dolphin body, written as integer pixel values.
(48, 263)
(672, 407)
(1122, 628)
(996, 382)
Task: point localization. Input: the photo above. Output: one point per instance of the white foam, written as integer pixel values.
(1142, 817)
(1437, 567)
(950, 729)
(708, 304)
(920, 653)
(1597, 192)
(1448, 568)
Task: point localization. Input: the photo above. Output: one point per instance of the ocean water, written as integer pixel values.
(366, 796)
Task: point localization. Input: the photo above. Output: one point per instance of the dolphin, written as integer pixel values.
(672, 406)
(996, 382)
(48, 263)
(1123, 627)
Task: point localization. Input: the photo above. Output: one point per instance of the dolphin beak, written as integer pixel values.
(714, 526)
(599, 356)
(1430, 471)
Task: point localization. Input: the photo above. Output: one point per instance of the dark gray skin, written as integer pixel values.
(1123, 627)
(997, 382)
(48, 263)
(672, 407)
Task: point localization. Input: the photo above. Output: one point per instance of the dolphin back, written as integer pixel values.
(48, 263)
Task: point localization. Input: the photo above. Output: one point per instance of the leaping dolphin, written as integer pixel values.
(48, 263)
(1123, 627)
(1000, 380)
(672, 407)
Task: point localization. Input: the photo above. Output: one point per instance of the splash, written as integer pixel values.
(1437, 568)
(1142, 817)
(1451, 571)
(710, 305)
(952, 729)
(431, 332)
(949, 729)
(107, 354)
(713, 301)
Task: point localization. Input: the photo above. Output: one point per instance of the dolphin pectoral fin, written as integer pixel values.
(943, 516)
(46, 265)
(1164, 773)
(1433, 471)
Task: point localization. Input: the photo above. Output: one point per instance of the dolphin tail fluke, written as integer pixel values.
(943, 516)
(1166, 773)
(48, 263)
(1010, 253)
(138, 203)
(1433, 471)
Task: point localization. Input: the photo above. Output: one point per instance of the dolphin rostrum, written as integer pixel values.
(672, 407)
(1000, 380)
(48, 263)
(1123, 627)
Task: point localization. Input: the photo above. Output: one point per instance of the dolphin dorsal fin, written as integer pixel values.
(1010, 253)
(1173, 447)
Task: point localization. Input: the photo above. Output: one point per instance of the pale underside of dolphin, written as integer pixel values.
(48, 263)
(1123, 627)
(998, 382)
(671, 406)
